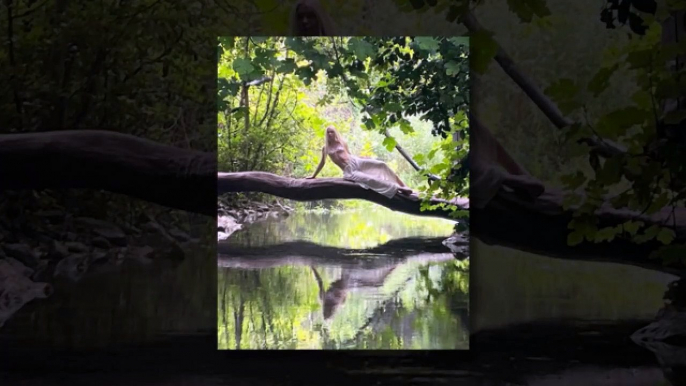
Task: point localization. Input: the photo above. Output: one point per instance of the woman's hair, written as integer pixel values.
(324, 22)
(338, 138)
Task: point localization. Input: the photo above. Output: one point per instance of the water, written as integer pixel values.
(136, 304)
(372, 279)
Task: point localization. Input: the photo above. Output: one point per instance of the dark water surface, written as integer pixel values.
(535, 320)
(371, 279)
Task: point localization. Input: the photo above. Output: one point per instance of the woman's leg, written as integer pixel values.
(386, 173)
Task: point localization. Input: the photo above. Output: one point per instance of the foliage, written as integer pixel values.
(387, 83)
(650, 176)
(651, 173)
(131, 67)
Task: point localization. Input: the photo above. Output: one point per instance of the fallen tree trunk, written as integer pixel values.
(119, 163)
(322, 189)
(542, 227)
(187, 180)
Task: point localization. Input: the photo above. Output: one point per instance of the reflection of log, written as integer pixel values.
(542, 227)
(320, 189)
(182, 179)
(305, 254)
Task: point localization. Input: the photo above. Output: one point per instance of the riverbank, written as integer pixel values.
(43, 244)
(236, 212)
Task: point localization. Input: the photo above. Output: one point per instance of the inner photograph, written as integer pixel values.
(343, 193)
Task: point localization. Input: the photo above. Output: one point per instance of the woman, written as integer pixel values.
(366, 172)
(308, 18)
(492, 168)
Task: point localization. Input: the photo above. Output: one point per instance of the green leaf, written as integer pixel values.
(640, 58)
(483, 50)
(452, 68)
(574, 180)
(306, 74)
(427, 43)
(527, 9)
(287, 66)
(665, 236)
(601, 80)
(432, 154)
(642, 99)
(647, 235)
(227, 42)
(389, 143)
(611, 171)
(405, 126)
(617, 122)
(243, 67)
(575, 238)
(607, 234)
(393, 107)
(439, 168)
(632, 227)
(361, 48)
(563, 92)
(320, 61)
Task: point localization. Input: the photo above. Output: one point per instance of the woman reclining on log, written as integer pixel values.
(366, 172)
(493, 168)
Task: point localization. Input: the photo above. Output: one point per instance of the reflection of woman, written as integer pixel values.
(308, 18)
(491, 168)
(334, 297)
(366, 172)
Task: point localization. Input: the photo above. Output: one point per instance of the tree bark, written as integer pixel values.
(322, 189)
(541, 227)
(119, 163)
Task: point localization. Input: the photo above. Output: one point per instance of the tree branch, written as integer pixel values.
(120, 163)
(604, 147)
(409, 159)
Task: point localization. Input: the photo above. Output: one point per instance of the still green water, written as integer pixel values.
(298, 284)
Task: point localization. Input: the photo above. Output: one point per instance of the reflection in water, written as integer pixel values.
(597, 376)
(353, 284)
(133, 305)
(512, 287)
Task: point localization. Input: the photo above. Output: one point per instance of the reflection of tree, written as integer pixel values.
(353, 229)
(368, 304)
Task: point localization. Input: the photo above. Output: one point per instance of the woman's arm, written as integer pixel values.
(321, 164)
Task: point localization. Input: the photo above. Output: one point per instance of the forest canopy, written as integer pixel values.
(276, 96)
